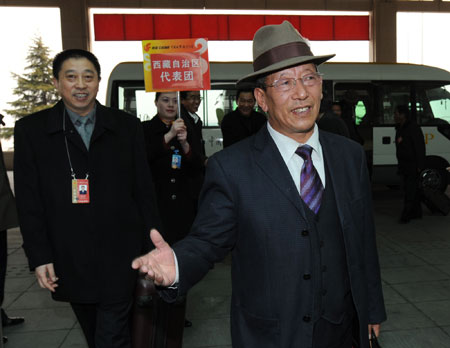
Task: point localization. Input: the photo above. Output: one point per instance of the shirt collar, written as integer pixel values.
(77, 119)
(287, 146)
(194, 116)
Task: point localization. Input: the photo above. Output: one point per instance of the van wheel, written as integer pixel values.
(435, 175)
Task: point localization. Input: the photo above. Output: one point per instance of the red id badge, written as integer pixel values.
(80, 191)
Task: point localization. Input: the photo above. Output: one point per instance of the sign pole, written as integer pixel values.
(178, 104)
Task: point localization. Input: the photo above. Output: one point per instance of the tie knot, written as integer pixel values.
(304, 152)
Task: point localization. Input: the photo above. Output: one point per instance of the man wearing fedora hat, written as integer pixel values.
(293, 205)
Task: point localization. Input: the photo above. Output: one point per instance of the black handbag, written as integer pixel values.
(374, 340)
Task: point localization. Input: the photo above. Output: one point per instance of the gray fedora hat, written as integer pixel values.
(277, 47)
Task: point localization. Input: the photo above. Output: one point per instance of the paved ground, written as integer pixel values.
(415, 262)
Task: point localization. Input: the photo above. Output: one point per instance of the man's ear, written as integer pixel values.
(55, 82)
(260, 96)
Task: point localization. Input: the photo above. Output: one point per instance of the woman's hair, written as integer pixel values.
(158, 94)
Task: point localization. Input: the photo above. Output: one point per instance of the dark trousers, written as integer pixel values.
(105, 325)
(411, 205)
(329, 335)
(3, 262)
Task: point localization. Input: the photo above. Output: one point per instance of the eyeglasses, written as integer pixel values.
(287, 83)
(195, 97)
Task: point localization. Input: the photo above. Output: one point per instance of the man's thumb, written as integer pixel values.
(157, 240)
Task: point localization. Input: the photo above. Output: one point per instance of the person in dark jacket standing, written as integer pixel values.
(293, 206)
(410, 150)
(177, 168)
(8, 219)
(175, 165)
(330, 121)
(190, 102)
(85, 200)
(242, 122)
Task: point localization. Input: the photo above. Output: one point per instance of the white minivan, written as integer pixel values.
(373, 90)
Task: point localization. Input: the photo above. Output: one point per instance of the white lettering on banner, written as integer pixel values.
(156, 64)
(188, 76)
(185, 63)
(165, 76)
(176, 64)
(177, 76)
(195, 63)
(166, 64)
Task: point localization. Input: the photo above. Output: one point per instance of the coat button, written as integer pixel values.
(174, 197)
(305, 233)
(307, 276)
(306, 318)
(172, 180)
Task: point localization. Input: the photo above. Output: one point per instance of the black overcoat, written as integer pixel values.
(8, 212)
(236, 127)
(91, 245)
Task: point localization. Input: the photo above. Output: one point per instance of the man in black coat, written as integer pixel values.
(242, 122)
(8, 219)
(410, 146)
(294, 212)
(330, 121)
(80, 245)
(190, 102)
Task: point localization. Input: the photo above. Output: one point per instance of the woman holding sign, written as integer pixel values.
(175, 163)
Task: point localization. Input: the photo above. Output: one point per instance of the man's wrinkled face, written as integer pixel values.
(77, 85)
(246, 103)
(293, 112)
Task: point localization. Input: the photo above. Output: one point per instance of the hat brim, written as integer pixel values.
(287, 63)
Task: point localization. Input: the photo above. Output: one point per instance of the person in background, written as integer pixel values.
(80, 245)
(293, 206)
(176, 166)
(410, 151)
(346, 113)
(242, 122)
(8, 219)
(190, 102)
(329, 121)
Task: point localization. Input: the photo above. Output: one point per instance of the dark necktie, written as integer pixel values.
(83, 130)
(311, 188)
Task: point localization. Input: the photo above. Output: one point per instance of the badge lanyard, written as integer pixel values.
(80, 187)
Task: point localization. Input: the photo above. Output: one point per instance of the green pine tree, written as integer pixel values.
(34, 90)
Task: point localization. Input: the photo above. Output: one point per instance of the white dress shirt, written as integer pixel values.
(287, 147)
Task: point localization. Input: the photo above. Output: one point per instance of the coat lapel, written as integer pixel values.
(335, 163)
(269, 159)
(103, 122)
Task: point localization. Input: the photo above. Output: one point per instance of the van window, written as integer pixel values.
(132, 98)
(433, 104)
(393, 94)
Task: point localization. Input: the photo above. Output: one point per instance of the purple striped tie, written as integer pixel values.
(311, 188)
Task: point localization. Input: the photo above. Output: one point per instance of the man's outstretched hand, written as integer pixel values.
(158, 264)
